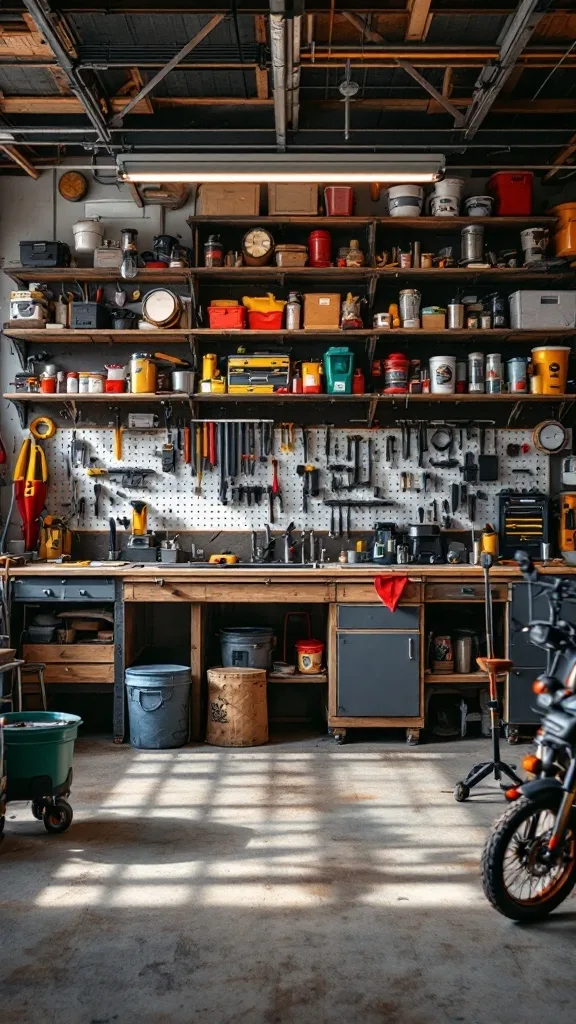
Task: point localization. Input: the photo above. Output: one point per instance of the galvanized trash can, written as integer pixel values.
(247, 646)
(158, 703)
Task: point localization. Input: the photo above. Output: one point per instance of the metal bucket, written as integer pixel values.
(158, 702)
(247, 647)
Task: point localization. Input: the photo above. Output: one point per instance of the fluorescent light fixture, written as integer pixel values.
(326, 168)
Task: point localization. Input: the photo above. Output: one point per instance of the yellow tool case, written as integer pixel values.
(259, 374)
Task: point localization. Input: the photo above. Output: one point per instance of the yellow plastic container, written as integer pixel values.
(565, 236)
(551, 367)
(489, 541)
(142, 374)
(209, 366)
(263, 304)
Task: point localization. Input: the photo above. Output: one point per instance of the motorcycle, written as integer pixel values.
(529, 860)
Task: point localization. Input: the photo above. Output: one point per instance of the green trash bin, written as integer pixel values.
(38, 754)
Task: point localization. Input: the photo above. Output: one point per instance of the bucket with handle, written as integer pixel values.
(551, 366)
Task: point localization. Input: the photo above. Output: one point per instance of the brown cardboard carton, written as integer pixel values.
(293, 197)
(322, 309)
(232, 200)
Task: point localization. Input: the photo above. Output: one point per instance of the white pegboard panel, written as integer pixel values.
(174, 505)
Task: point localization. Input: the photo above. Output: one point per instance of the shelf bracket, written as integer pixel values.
(372, 409)
(22, 413)
(20, 347)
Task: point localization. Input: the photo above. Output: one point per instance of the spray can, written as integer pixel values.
(493, 373)
(476, 373)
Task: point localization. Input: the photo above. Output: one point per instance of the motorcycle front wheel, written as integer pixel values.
(517, 879)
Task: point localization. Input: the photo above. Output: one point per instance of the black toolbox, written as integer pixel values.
(89, 316)
(44, 254)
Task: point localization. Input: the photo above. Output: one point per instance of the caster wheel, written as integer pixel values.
(340, 738)
(461, 792)
(412, 737)
(58, 816)
(512, 735)
(37, 809)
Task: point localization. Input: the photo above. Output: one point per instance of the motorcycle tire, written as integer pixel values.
(498, 843)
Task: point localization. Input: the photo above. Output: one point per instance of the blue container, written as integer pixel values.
(158, 702)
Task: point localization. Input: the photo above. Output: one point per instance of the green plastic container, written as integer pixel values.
(39, 759)
(338, 370)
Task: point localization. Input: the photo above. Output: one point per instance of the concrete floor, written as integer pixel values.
(300, 883)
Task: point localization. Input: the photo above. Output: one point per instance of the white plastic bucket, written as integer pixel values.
(479, 206)
(405, 200)
(442, 375)
(445, 199)
(88, 235)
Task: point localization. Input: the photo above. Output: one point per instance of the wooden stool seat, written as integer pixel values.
(494, 666)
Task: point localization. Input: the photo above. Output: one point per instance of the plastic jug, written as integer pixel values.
(338, 368)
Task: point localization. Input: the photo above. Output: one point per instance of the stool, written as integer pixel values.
(38, 669)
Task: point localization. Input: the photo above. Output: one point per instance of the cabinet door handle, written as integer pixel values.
(411, 648)
(467, 591)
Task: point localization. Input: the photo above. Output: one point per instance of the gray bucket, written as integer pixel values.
(247, 647)
(158, 700)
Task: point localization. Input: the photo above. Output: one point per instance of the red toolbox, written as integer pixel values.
(265, 321)
(512, 191)
(226, 318)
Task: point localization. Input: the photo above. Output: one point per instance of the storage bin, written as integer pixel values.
(339, 200)
(321, 310)
(158, 700)
(538, 310)
(291, 255)
(247, 647)
(265, 321)
(512, 191)
(433, 321)
(565, 237)
(293, 198)
(229, 200)
(226, 318)
(237, 707)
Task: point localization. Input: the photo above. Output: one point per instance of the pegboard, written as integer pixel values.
(174, 505)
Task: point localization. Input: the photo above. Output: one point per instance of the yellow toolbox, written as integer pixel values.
(259, 374)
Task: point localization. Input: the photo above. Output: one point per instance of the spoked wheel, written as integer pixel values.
(520, 881)
(57, 816)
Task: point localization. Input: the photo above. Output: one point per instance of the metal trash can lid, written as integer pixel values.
(157, 675)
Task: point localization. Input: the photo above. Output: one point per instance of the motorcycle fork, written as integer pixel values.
(568, 798)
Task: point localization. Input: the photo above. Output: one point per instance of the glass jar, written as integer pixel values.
(213, 252)
(355, 257)
(83, 382)
(72, 383)
(95, 383)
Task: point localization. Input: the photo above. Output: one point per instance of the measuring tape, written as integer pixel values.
(42, 428)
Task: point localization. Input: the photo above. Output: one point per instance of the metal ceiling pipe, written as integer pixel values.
(278, 55)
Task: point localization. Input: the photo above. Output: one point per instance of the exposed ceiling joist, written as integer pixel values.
(55, 34)
(419, 20)
(493, 77)
(409, 68)
(562, 159)
(18, 158)
(190, 45)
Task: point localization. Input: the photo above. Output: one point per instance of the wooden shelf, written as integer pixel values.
(179, 396)
(297, 677)
(178, 335)
(454, 677)
(426, 223)
(334, 274)
(110, 399)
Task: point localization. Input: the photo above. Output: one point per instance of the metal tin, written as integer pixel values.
(405, 259)
(493, 373)
(72, 383)
(476, 373)
(516, 374)
(83, 382)
(96, 384)
(485, 321)
(461, 377)
(455, 316)
(473, 322)
(426, 260)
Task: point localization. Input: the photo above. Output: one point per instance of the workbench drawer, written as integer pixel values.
(58, 653)
(54, 588)
(363, 593)
(265, 591)
(377, 616)
(463, 592)
(80, 673)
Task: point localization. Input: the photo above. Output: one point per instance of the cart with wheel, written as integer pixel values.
(38, 753)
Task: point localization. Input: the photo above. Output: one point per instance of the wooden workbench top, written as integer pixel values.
(158, 570)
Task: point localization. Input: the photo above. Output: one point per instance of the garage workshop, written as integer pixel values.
(288, 511)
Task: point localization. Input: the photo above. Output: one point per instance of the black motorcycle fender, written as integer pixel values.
(537, 786)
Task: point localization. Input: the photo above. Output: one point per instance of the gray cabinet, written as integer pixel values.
(529, 661)
(378, 674)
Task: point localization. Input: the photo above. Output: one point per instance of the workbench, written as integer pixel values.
(376, 660)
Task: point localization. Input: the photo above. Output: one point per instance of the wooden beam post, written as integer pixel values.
(419, 20)
(262, 84)
(21, 160)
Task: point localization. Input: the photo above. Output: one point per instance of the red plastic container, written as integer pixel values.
(339, 200)
(319, 249)
(358, 384)
(265, 321)
(114, 387)
(512, 191)
(396, 374)
(226, 318)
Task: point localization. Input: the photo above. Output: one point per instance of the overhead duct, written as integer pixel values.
(278, 54)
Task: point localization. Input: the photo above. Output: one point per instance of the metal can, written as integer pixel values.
(83, 382)
(493, 373)
(461, 377)
(485, 321)
(96, 384)
(426, 260)
(516, 372)
(293, 312)
(473, 322)
(405, 259)
(476, 373)
(61, 382)
(72, 383)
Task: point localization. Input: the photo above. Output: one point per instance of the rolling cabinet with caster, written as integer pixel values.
(375, 669)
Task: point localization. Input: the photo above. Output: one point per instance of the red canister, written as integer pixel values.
(358, 383)
(396, 374)
(319, 249)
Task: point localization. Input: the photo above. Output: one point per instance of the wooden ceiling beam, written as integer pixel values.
(262, 82)
(418, 21)
(18, 158)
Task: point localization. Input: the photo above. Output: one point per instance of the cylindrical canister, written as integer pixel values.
(396, 368)
(310, 653)
(442, 375)
(426, 260)
(473, 242)
(237, 707)
(209, 365)
(72, 383)
(476, 373)
(496, 304)
(463, 654)
(319, 248)
(416, 254)
(83, 382)
(409, 301)
(142, 374)
(461, 377)
(96, 384)
(485, 321)
(493, 373)
(551, 367)
(293, 312)
(516, 374)
(455, 316)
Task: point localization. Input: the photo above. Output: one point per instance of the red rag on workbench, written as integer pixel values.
(390, 589)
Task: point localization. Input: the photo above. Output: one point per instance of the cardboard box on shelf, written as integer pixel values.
(321, 309)
(297, 198)
(233, 200)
